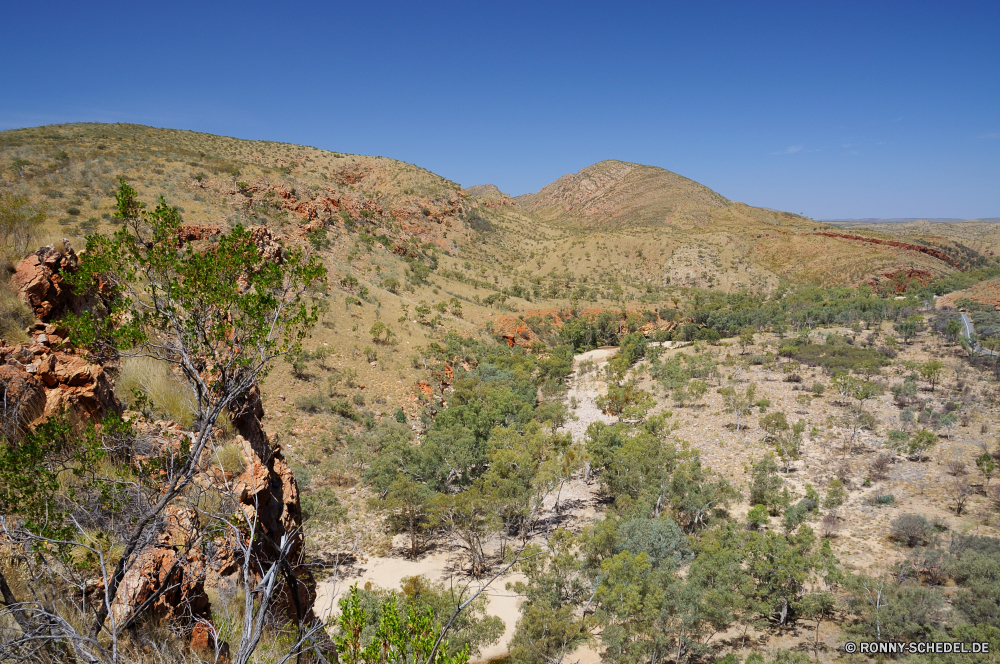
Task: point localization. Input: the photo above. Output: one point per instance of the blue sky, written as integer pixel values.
(838, 109)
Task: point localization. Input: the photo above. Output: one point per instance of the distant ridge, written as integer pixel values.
(483, 189)
(904, 220)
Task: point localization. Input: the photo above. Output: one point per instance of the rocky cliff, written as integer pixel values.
(49, 376)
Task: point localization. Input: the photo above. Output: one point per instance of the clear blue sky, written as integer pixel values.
(838, 109)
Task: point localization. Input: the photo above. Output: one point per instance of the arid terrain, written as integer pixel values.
(522, 345)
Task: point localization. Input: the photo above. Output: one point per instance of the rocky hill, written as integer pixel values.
(616, 194)
(450, 332)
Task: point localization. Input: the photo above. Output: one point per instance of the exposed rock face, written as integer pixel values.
(187, 234)
(22, 399)
(899, 280)
(940, 255)
(175, 563)
(266, 244)
(38, 281)
(267, 491)
(47, 377)
(43, 381)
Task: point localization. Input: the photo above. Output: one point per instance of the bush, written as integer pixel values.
(660, 539)
(838, 357)
(321, 506)
(881, 499)
(911, 530)
(313, 403)
(478, 222)
(757, 517)
(880, 466)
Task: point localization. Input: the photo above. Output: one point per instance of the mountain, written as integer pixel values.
(613, 231)
(616, 194)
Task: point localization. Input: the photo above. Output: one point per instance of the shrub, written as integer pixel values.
(19, 221)
(838, 357)
(321, 506)
(829, 525)
(957, 467)
(880, 466)
(911, 530)
(818, 388)
(757, 517)
(313, 403)
(478, 222)
(881, 499)
(400, 416)
(835, 494)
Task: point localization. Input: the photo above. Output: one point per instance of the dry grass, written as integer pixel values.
(229, 457)
(15, 315)
(168, 396)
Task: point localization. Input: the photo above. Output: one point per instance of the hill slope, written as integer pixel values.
(617, 194)
(613, 232)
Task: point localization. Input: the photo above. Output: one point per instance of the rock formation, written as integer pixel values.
(48, 376)
(39, 283)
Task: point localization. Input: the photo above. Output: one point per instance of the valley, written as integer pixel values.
(648, 422)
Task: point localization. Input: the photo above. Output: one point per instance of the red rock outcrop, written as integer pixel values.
(898, 281)
(47, 376)
(39, 283)
(176, 562)
(187, 234)
(47, 381)
(936, 253)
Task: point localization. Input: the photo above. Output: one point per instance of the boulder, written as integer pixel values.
(39, 283)
(42, 381)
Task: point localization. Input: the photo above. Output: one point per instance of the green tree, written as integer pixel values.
(757, 517)
(835, 495)
(952, 329)
(986, 466)
(906, 329)
(408, 508)
(738, 402)
(219, 316)
(765, 483)
(919, 444)
(625, 401)
(746, 339)
(889, 612)
(412, 637)
(555, 588)
(774, 424)
(931, 372)
(648, 615)
(380, 333)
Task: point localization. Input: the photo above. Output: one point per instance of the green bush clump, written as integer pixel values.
(837, 356)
